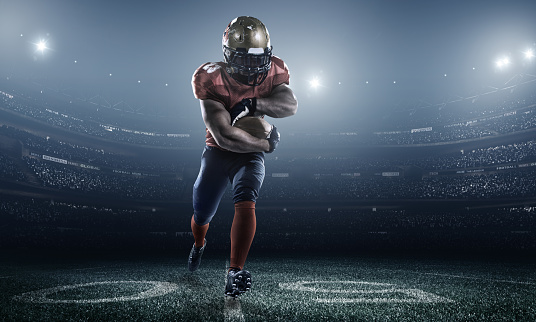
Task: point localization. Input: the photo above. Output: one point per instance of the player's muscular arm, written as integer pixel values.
(281, 103)
(218, 121)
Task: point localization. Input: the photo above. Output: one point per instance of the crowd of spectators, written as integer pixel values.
(492, 114)
(450, 134)
(460, 110)
(494, 155)
(492, 230)
(509, 183)
(320, 220)
(98, 182)
(38, 223)
(87, 155)
(519, 120)
(488, 115)
(91, 127)
(498, 172)
(327, 178)
(9, 170)
(28, 222)
(493, 185)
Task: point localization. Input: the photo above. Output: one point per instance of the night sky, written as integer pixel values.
(368, 56)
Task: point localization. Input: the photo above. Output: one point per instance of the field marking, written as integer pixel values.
(89, 268)
(232, 310)
(365, 288)
(480, 278)
(300, 286)
(416, 296)
(40, 296)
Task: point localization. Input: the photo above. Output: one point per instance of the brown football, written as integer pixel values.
(256, 126)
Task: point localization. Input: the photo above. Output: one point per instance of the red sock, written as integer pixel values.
(242, 232)
(199, 233)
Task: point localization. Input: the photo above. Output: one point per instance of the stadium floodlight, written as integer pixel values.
(529, 54)
(315, 82)
(503, 62)
(41, 45)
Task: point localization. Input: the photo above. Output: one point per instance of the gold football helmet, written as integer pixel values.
(247, 50)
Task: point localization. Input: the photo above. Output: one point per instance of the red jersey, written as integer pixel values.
(211, 81)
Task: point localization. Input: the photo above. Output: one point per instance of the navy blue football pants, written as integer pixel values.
(245, 172)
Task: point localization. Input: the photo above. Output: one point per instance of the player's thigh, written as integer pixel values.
(247, 177)
(209, 187)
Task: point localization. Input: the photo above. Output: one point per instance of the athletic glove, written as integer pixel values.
(245, 107)
(273, 138)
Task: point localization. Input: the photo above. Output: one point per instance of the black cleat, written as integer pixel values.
(195, 257)
(238, 282)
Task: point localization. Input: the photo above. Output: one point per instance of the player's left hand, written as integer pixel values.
(245, 107)
(273, 138)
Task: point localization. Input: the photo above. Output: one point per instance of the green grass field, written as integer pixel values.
(287, 288)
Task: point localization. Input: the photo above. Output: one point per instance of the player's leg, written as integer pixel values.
(199, 232)
(242, 233)
(247, 178)
(208, 189)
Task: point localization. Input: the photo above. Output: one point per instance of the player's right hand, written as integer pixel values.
(273, 138)
(245, 107)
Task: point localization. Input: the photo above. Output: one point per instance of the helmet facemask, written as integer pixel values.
(248, 68)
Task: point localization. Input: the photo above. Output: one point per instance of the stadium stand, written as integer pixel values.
(58, 192)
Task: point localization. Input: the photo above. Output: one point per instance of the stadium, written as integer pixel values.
(422, 209)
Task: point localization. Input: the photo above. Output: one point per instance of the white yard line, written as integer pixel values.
(41, 296)
(363, 292)
(480, 278)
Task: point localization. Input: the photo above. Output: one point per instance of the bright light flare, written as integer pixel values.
(503, 62)
(529, 54)
(315, 82)
(41, 45)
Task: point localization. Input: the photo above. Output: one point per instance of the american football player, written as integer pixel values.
(249, 82)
